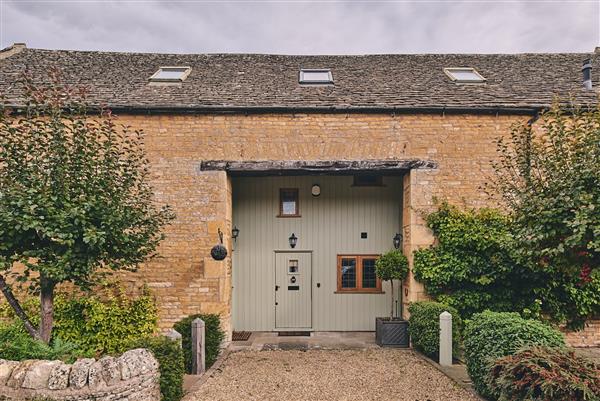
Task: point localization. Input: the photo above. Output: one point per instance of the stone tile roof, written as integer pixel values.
(249, 81)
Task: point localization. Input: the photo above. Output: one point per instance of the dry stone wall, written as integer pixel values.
(133, 376)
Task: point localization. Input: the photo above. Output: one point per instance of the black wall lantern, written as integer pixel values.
(293, 240)
(219, 252)
(397, 240)
(234, 233)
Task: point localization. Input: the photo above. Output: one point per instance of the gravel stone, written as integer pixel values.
(327, 375)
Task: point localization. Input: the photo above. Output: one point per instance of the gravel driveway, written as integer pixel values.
(371, 374)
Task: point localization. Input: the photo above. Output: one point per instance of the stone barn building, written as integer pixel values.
(315, 164)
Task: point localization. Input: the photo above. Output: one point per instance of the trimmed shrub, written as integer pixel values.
(105, 325)
(17, 345)
(214, 335)
(492, 335)
(169, 355)
(542, 373)
(424, 327)
(97, 324)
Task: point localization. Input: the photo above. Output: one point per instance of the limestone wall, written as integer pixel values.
(588, 337)
(186, 280)
(133, 376)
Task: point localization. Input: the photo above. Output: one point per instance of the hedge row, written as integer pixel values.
(424, 326)
(493, 335)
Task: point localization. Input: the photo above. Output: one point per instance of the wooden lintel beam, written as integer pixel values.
(318, 166)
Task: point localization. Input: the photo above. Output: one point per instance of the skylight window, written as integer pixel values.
(322, 76)
(171, 74)
(464, 75)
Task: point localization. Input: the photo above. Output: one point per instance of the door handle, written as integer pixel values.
(276, 288)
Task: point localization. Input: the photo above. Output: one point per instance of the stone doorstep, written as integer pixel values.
(457, 373)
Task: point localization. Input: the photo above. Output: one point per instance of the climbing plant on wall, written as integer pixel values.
(548, 175)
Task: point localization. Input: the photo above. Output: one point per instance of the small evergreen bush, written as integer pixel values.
(542, 373)
(169, 355)
(424, 327)
(492, 335)
(214, 335)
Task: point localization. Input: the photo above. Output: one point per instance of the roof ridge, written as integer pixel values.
(11, 50)
(240, 54)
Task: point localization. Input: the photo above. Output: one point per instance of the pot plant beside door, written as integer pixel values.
(392, 331)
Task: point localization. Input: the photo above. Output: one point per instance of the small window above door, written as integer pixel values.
(289, 202)
(368, 180)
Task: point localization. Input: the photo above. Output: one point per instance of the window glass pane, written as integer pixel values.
(369, 279)
(170, 73)
(289, 202)
(316, 76)
(293, 266)
(466, 74)
(348, 273)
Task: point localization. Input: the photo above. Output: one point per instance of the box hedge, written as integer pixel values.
(169, 355)
(424, 327)
(542, 373)
(214, 335)
(489, 336)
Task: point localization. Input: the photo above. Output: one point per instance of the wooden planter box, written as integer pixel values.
(391, 333)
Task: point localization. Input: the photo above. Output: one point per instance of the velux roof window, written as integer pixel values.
(316, 76)
(464, 75)
(171, 74)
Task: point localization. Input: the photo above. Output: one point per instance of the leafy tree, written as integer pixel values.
(549, 179)
(75, 202)
(390, 266)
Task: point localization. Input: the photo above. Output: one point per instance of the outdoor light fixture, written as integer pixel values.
(234, 233)
(293, 240)
(397, 240)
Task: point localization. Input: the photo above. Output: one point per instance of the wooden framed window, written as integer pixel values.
(289, 202)
(356, 274)
(368, 180)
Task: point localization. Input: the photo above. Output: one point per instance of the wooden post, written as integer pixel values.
(198, 351)
(445, 339)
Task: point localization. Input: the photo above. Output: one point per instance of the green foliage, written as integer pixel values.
(17, 345)
(424, 326)
(98, 324)
(104, 326)
(214, 336)
(392, 265)
(492, 335)
(75, 194)
(472, 267)
(542, 373)
(169, 355)
(548, 178)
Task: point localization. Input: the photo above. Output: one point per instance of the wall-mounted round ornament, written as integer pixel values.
(219, 252)
(315, 190)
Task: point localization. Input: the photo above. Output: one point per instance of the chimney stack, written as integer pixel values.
(587, 74)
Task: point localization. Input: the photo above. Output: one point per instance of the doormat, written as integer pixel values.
(294, 334)
(241, 335)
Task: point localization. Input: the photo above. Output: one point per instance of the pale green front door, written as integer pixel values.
(293, 297)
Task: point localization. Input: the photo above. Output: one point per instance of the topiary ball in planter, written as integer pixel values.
(391, 331)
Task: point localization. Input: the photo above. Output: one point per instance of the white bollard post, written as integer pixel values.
(445, 339)
(198, 351)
